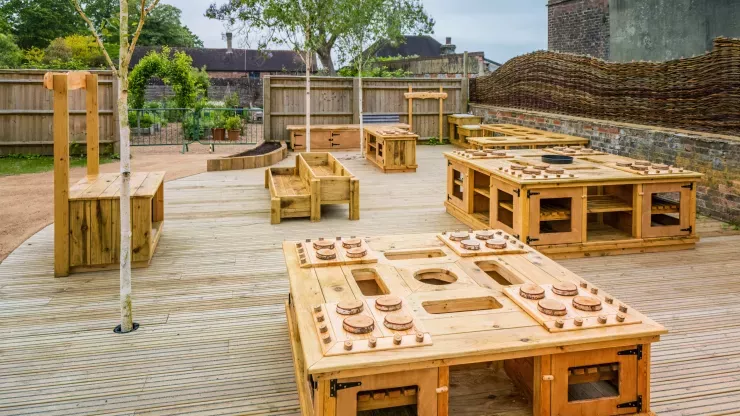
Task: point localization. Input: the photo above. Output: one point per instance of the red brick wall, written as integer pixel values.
(579, 26)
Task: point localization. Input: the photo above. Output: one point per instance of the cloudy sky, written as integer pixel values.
(500, 28)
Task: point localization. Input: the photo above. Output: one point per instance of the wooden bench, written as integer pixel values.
(326, 137)
(317, 179)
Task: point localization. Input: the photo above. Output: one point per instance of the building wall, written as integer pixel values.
(716, 156)
(659, 30)
(579, 26)
(223, 84)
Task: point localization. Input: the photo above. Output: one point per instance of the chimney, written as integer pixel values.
(448, 48)
(228, 42)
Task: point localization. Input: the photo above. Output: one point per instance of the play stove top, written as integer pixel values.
(481, 154)
(564, 306)
(647, 168)
(335, 252)
(482, 243)
(372, 324)
(536, 171)
(574, 151)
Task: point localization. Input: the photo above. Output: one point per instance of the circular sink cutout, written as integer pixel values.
(436, 277)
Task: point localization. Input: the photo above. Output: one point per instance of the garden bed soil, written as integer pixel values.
(262, 149)
(266, 154)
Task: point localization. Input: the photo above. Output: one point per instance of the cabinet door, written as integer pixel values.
(458, 187)
(556, 216)
(594, 383)
(506, 211)
(666, 210)
(298, 141)
(345, 139)
(320, 140)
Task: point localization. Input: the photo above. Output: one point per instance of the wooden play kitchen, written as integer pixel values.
(455, 120)
(509, 136)
(380, 322)
(87, 231)
(598, 204)
(466, 132)
(391, 149)
(327, 137)
(317, 179)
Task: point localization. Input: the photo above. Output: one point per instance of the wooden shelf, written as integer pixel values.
(484, 217)
(458, 182)
(606, 203)
(483, 191)
(554, 213)
(507, 205)
(662, 206)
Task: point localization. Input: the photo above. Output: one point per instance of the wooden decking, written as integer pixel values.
(213, 336)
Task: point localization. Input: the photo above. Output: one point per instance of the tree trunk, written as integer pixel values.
(326, 62)
(362, 125)
(308, 101)
(127, 319)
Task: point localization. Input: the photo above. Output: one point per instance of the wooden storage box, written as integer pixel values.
(391, 149)
(327, 137)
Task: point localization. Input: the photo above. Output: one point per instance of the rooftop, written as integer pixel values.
(236, 60)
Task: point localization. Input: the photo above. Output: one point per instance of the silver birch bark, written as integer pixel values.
(362, 125)
(127, 318)
(308, 101)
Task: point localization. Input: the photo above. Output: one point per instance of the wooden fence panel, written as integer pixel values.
(26, 110)
(334, 101)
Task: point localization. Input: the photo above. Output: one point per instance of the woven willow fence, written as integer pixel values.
(700, 93)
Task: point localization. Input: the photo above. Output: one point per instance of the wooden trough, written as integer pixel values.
(237, 162)
(599, 204)
(87, 230)
(378, 322)
(317, 179)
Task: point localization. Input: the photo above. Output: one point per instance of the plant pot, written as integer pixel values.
(219, 134)
(234, 135)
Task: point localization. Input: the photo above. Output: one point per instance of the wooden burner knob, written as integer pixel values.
(602, 319)
(551, 307)
(323, 245)
(559, 323)
(397, 339)
(348, 345)
(459, 236)
(565, 289)
(586, 303)
(620, 317)
(356, 252)
(326, 338)
(484, 235)
(624, 164)
(419, 337)
(594, 291)
(497, 243)
(623, 308)
(398, 322)
(352, 243)
(470, 244)
(609, 299)
(372, 342)
(578, 321)
(350, 307)
(326, 254)
(358, 324)
(388, 303)
(531, 291)
(323, 328)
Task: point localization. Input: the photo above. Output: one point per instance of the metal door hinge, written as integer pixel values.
(689, 186)
(637, 404)
(530, 193)
(690, 229)
(449, 163)
(530, 239)
(515, 236)
(334, 386)
(637, 351)
(518, 192)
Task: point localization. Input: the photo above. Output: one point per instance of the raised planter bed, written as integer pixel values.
(266, 154)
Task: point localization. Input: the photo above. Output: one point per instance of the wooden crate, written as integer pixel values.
(391, 149)
(598, 205)
(317, 179)
(466, 309)
(94, 220)
(326, 137)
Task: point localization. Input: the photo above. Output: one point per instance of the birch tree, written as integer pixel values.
(127, 45)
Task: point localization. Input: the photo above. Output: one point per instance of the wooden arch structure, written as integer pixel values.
(441, 96)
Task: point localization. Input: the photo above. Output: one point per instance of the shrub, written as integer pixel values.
(233, 123)
(232, 101)
(10, 54)
(139, 119)
(58, 50)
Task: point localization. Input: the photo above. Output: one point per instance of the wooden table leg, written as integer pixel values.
(443, 393)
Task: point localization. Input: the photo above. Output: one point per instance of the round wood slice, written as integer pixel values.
(531, 291)
(398, 321)
(532, 171)
(586, 303)
(470, 150)
(349, 307)
(351, 243)
(480, 154)
(555, 171)
(640, 168)
(542, 166)
(459, 236)
(326, 254)
(587, 151)
(470, 244)
(497, 243)
(642, 163)
(569, 151)
(565, 289)
(484, 234)
(323, 245)
(551, 307)
(358, 324)
(356, 253)
(624, 164)
(388, 303)
(516, 167)
(659, 166)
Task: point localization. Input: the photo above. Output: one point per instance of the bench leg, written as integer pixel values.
(267, 178)
(315, 200)
(275, 211)
(354, 199)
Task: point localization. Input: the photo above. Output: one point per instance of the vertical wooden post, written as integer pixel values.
(637, 195)
(354, 199)
(541, 388)
(356, 101)
(443, 397)
(411, 112)
(266, 119)
(61, 175)
(643, 377)
(93, 126)
(464, 95)
(441, 110)
(116, 118)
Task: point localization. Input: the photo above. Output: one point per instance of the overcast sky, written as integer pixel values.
(500, 28)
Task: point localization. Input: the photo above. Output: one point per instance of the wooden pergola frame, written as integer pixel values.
(441, 96)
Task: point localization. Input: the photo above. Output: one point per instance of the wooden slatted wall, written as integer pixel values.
(334, 100)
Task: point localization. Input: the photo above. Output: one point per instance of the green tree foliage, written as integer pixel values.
(10, 54)
(325, 22)
(372, 69)
(162, 28)
(71, 52)
(38, 22)
(173, 69)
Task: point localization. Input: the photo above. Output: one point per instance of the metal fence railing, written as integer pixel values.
(184, 126)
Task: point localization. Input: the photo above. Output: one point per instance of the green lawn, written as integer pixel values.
(20, 164)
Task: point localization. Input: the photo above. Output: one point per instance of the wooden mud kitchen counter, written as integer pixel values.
(455, 120)
(331, 136)
(597, 204)
(509, 136)
(391, 149)
(383, 322)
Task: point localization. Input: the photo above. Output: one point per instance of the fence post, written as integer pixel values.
(266, 121)
(464, 95)
(355, 100)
